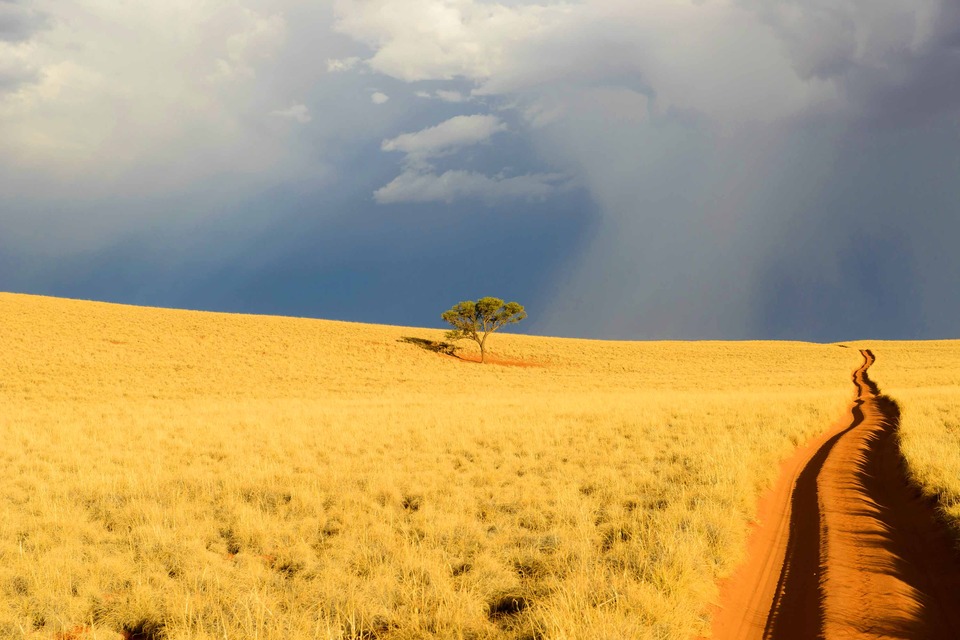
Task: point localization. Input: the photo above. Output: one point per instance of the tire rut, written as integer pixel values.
(854, 550)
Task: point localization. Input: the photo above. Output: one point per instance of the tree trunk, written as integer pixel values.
(483, 349)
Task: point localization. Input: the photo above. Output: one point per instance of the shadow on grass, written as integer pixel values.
(434, 346)
(447, 349)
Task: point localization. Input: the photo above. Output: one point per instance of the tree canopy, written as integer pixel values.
(477, 320)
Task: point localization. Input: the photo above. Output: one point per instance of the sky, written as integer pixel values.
(632, 169)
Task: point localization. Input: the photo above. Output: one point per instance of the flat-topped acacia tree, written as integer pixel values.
(477, 320)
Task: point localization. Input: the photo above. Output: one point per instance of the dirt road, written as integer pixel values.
(846, 547)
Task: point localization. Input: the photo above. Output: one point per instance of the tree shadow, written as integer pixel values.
(434, 346)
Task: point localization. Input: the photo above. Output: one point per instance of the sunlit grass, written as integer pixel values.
(192, 475)
(924, 377)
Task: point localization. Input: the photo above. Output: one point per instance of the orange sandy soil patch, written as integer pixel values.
(76, 633)
(497, 360)
(846, 547)
(85, 632)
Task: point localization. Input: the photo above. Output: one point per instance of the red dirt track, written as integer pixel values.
(846, 546)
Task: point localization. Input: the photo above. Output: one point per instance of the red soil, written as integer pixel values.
(846, 547)
(497, 360)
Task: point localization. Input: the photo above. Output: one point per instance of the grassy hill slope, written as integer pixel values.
(197, 475)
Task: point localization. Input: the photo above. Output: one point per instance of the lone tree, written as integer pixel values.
(477, 320)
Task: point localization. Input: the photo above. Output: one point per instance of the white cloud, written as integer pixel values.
(379, 98)
(539, 114)
(450, 96)
(155, 97)
(418, 186)
(164, 80)
(736, 61)
(429, 39)
(454, 97)
(457, 132)
(727, 63)
(297, 112)
(338, 65)
(420, 182)
(258, 37)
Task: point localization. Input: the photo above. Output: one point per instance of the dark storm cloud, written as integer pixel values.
(334, 253)
(824, 222)
(909, 90)
(865, 249)
(18, 22)
(894, 63)
(763, 168)
(336, 256)
(13, 78)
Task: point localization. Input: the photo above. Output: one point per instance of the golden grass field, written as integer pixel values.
(924, 377)
(175, 474)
